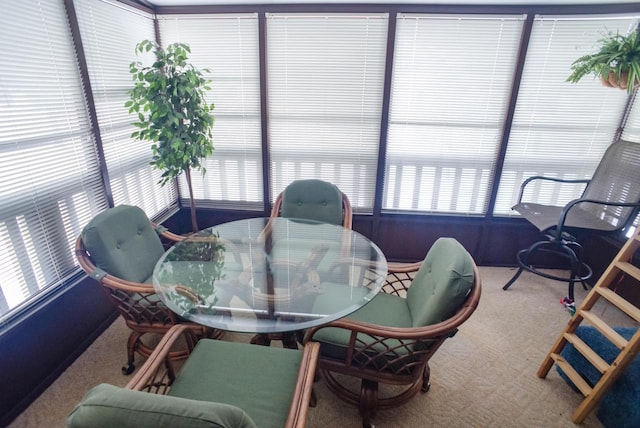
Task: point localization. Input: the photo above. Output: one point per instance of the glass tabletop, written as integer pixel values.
(265, 275)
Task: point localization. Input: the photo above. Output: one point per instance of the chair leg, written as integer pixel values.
(513, 279)
(313, 401)
(578, 251)
(132, 344)
(368, 401)
(426, 379)
(523, 263)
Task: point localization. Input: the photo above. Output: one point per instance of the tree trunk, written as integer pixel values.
(192, 202)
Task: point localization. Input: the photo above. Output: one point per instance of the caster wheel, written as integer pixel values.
(127, 370)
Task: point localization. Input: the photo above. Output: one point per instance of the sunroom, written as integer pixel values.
(428, 115)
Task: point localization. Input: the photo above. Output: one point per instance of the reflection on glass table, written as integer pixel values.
(262, 275)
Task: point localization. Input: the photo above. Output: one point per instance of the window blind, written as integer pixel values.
(450, 89)
(560, 129)
(50, 184)
(631, 131)
(110, 32)
(227, 45)
(326, 75)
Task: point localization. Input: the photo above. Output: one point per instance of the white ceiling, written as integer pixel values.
(455, 2)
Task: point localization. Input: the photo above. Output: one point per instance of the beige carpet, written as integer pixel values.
(484, 376)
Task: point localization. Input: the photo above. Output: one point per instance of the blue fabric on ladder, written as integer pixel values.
(619, 406)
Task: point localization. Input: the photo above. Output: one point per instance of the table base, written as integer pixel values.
(289, 339)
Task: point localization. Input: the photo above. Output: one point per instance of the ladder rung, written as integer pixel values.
(604, 328)
(620, 302)
(572, 374)
(630, 269)
(587, 352)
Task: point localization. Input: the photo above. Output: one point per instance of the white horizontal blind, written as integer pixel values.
(110, 32)
(560, 129)
(451, 84)
(631, 130)
(326, 75)
(227, 45)
(50, 185)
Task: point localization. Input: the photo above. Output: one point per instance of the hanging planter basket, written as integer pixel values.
(612, 81)
(616, 61)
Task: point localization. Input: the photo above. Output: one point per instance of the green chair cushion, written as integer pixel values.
(384, 309)
(122, 242)
(234, 373)
(107, 406)
(442, 284)
(312, 200)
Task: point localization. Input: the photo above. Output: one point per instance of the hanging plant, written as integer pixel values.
(169, 99)
(616, 63)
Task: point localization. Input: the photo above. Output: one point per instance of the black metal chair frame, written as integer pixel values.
(560, 242)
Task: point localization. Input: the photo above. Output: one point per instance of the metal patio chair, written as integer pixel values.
(609, 203)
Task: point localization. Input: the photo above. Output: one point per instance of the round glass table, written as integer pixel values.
(262, 275)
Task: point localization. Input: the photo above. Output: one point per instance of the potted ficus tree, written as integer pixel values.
(616, 63)
(172, 113)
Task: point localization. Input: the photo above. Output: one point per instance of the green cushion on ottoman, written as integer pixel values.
(107, 406)
(239, 379)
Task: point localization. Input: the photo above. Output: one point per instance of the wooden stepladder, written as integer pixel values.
(628, 348)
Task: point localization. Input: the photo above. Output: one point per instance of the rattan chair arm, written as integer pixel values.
(394, 267)
(397, 333)
(159, 359)
(169, 235)
(348, 212)
(304, 386)
(109, 280)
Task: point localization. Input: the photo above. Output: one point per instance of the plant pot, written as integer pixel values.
(612, 81)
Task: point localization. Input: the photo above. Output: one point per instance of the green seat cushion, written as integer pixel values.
(260, 380)
(312, 200)
(107, 406)
(384, 309)
(122, 242)
(442, 284)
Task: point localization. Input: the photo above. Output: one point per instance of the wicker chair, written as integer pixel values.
(221, 384)
(392, 338)
(315, 200)
(609, 203)
(119, 248)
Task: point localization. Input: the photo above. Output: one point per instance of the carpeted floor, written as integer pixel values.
(484, 376)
